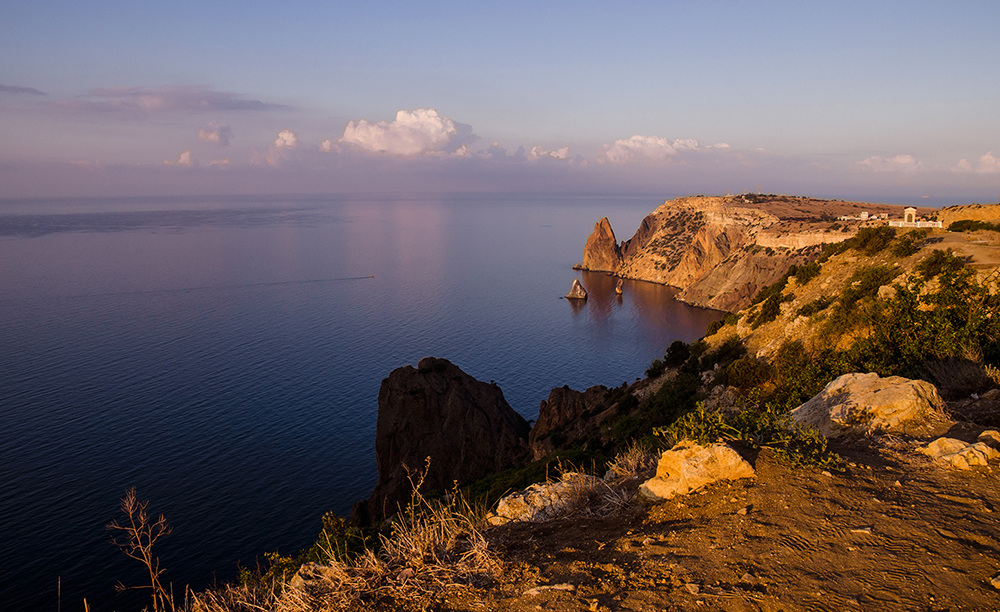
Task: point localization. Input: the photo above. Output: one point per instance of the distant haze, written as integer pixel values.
(887, 101)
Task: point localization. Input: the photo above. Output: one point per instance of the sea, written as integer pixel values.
(223, 356)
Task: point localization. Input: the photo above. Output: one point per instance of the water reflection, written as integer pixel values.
(653, 306)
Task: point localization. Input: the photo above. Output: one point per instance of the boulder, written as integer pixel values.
(689, 466)
(437, 411)
(564, 418)
(544, 501)
(866, 404)
(576, 292)
(958, 454)
(601, 253)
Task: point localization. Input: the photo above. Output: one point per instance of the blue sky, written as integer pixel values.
(878, 100)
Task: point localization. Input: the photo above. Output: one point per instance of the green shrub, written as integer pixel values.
(770, 310)
(729, 350)
(829, 250)
(677, 353)
(871, 240)
(908, 243)
(968, 225)
(939, 262)
(817, 305)
(807, 272)
(656, 368)
(747, 372)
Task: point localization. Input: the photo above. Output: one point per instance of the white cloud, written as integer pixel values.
(287, 139)
(899, 163)
(185, 159)
(219, 162)
(326, 146)
(462, 151)
(540, 152)
(988, 164)
(638, 148)
(963, 165)
(215, 133)
(685, 144)
(720, 145)
(415, 132)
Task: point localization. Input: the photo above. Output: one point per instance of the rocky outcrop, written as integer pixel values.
(960, 455)
(690, 466)
(721, 250)
(576, 291)
(601, 253)
(564, 418)
(436, 410)
(544, 501)
(866, 404)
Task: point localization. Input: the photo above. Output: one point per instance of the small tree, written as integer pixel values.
(135, 536)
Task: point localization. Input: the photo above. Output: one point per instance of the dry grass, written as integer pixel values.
(432, 545)
(958, 378)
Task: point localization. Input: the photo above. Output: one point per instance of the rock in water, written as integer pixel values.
(618, 287)
(436, 410)
(865, 403)
(576, 292)
(601, 253)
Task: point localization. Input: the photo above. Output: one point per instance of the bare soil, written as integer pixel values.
(893, 531)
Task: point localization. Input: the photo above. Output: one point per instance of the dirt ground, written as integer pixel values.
(891, 532)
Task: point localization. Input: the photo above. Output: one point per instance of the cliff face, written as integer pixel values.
(436, 410)
(721, 250)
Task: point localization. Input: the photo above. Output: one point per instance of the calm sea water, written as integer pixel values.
(223, 355)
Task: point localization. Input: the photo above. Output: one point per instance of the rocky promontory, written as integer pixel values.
(437, 422)
(719, 251)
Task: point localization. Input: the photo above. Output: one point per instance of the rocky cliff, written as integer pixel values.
(721, 250)
(464, 426)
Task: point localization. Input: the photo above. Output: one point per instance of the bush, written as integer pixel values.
(908, 243)
(771, 309)
(871, 240)
(939, 262)
(817, 305)
(806, 273)
(747, 372)
(656, 368)
(968, 225)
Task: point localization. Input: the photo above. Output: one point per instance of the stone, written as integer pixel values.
(959, 455)
(465, 426)
(867, 404)
(566, 416)
(991, 395)
(569, 588)
(990, 437)
(544, 501)
(601, 253)
(689, 466)
(576, 291)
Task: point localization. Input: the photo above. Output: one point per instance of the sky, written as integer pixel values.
(886, 101)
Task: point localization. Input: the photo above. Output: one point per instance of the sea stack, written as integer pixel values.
(601, 253)
(618, 286)
(576, 292)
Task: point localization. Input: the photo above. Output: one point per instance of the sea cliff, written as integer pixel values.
(719, 251)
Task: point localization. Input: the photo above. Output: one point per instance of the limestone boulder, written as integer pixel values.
(544, 501)
(960, 455)
(867, 403)
(601, 253)
(437, 411)
(689, 466)
(576, 291)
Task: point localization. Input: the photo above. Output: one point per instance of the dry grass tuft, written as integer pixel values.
(431, 545)
(635, 462)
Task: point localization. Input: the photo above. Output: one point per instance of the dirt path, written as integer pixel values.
(892, 532)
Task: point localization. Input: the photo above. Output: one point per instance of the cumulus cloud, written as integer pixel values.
(219, 162)
(415, 132)
(15, 89)
(540, 152)
(684, 144)
(638, 148)
(462, 151)
(216, 133)
(899, 163)
(326, 146)
(988, 164)
(185, 159)
(719, 145)
(287, 139)
(144, 100)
